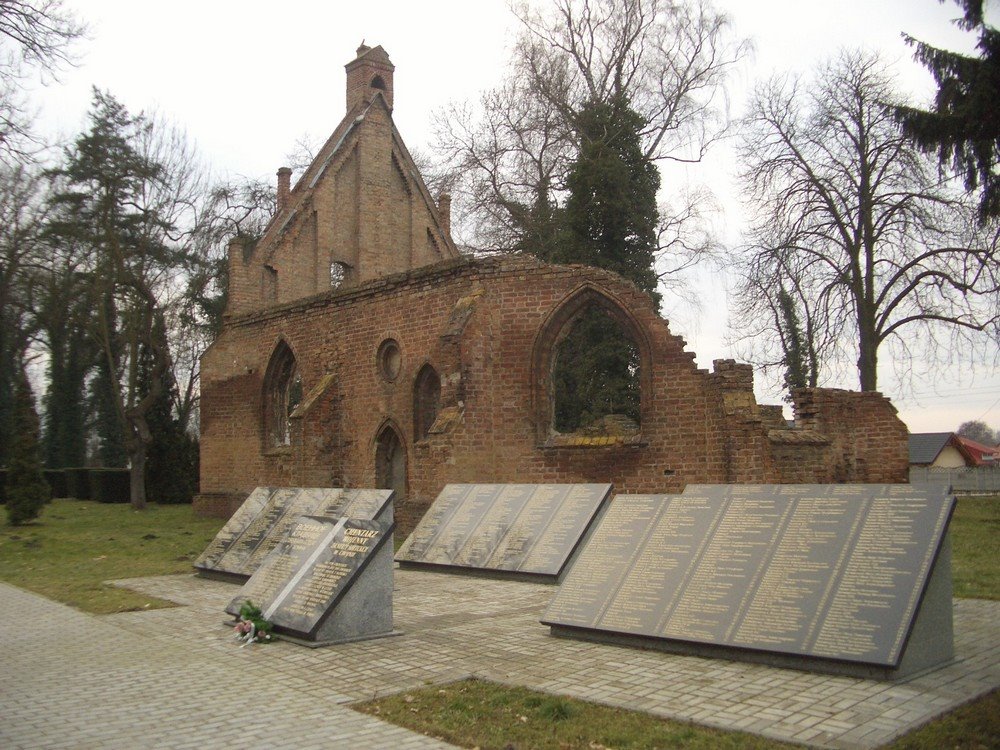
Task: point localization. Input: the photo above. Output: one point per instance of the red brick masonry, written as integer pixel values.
(489, 329)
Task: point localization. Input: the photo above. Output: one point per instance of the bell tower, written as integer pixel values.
(367, 74)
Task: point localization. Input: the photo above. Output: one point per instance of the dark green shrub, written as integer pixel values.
(172, 470)
(27, 491)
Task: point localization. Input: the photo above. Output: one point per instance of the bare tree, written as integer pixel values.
(33, 36)
(979, 431)
(669, 60)
(303, 152)
(177, 197)
(511, 151)
(236, 208)
(509, 154)
(21, 254)
(854, 218)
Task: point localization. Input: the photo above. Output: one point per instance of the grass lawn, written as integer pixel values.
(74, 546)
(475, 713)
(975, 556)
(974, 726)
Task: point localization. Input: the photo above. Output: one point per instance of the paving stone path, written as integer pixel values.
(175, 677)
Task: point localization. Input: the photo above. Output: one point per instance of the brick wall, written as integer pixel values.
(488, 329)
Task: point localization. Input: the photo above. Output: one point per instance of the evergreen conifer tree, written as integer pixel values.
(27, 491)
(115, 202)
(611, 213)
(172, 467)
(964, 125)
(609, 221)
(797, 371)
(107, 423)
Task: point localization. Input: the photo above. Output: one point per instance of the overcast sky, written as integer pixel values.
(247, 79)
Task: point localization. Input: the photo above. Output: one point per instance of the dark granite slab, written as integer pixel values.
(829, 571)
(263, 521)
(524, 528)
(305, 577)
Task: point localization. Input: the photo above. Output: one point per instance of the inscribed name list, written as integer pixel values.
(264, 519)
(300, 582)
(525, 528)
(817, 571)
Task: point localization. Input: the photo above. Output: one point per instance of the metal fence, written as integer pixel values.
(968, 480)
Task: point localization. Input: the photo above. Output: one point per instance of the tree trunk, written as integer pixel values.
(868, 363)
(137, 475)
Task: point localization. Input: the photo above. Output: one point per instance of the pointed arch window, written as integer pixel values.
(590, 367)
(282, 393)
(426, 401)
(595, 377)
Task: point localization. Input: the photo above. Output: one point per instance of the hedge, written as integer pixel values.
(57, 482)
(78, 483)
(110, 485)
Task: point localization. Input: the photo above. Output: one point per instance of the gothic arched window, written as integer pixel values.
(590, 368)
(426, 401)
(282, 393)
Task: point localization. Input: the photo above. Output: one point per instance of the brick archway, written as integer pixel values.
(556, 326)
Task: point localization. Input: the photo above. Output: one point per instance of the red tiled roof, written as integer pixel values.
(981, 455)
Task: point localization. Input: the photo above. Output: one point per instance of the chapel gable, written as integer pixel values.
(359, 212)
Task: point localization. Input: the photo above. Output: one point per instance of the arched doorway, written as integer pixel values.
(390, 462)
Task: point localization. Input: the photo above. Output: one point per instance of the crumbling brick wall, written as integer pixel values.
(489, 328)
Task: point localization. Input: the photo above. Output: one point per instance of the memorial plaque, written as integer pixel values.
(234, 527)
(831, 572)
(303, 586)
(523, 529)
(264, 519)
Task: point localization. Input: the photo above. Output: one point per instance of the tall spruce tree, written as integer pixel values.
(609, 221)
(964, 125)
(108, 205)
(104, 387)
(27, 491)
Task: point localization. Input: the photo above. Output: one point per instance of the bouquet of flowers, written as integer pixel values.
(252, 627)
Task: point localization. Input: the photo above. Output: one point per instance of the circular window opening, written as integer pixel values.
(390, 359)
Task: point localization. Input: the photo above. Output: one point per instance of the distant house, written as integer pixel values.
(946, 450)
(982, 455)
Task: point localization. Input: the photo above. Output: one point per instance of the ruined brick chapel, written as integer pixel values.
(361, 349)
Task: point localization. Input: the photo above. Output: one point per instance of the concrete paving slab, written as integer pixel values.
(176, 676)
